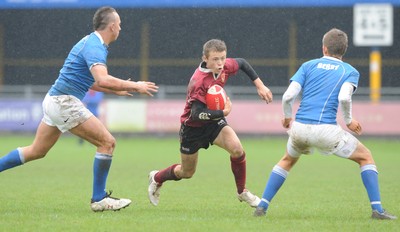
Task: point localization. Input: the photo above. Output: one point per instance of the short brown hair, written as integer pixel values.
(103, 17)
(336, 42)
(216, 45)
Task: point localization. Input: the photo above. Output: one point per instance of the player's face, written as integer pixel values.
(116, 26)
(215, 61)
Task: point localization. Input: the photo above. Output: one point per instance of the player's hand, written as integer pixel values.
(265, 94)
(355, 126)
(146, 87)
(228, 106)
(286, 122)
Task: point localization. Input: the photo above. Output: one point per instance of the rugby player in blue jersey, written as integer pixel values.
(326, 82)
(85, 68)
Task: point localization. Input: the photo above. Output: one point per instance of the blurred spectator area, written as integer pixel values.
(164, 45)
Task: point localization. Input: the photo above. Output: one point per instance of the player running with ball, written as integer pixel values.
(201, 127)
(325, 83)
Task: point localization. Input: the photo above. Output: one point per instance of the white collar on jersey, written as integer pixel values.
(98, 35)
(332, 58)
(203, 68)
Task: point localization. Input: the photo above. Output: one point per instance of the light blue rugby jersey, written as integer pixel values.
(321, 80)
(75, 77)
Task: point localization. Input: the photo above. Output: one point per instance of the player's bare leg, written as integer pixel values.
(46, 137)
(95, 132)
(185, 170)
(276, 179)
(188, 166)
(369, 176)
(229, 141)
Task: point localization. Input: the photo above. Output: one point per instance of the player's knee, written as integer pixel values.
(362, 156)
(367, 157)
(237, 152)
(187, 174)
(109, 144)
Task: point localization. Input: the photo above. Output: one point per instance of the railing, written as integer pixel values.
(179, 92)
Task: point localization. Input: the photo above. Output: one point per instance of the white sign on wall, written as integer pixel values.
(373, 24)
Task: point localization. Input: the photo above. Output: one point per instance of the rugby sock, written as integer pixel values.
(275, 181)
(238, 166)
(12, 159)
(369, 176)
(101, 166)
(166, 174)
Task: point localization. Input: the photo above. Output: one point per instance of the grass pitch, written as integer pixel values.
(321, 193)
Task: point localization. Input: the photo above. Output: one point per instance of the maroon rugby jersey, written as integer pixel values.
(200, 82)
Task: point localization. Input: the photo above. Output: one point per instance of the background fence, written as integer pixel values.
(164, 45)
(161, 41)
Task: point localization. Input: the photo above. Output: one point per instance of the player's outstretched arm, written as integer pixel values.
(120, 87)
(263, 91)
(146, 87)
(96, 87)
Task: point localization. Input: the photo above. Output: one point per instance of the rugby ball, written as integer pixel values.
(216, 98)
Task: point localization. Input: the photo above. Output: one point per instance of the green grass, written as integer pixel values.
(321, 193)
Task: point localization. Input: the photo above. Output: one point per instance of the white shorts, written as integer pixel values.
(64, 111)
(327, 138)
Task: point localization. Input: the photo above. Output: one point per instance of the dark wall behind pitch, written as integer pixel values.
(252, 33)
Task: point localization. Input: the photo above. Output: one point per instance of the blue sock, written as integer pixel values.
(276, 180)
(101, 166)
(369, 176)
(12, 159)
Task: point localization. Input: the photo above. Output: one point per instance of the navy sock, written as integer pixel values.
(275, 181)
(101, 166)
(12, 159)
(369, 176)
